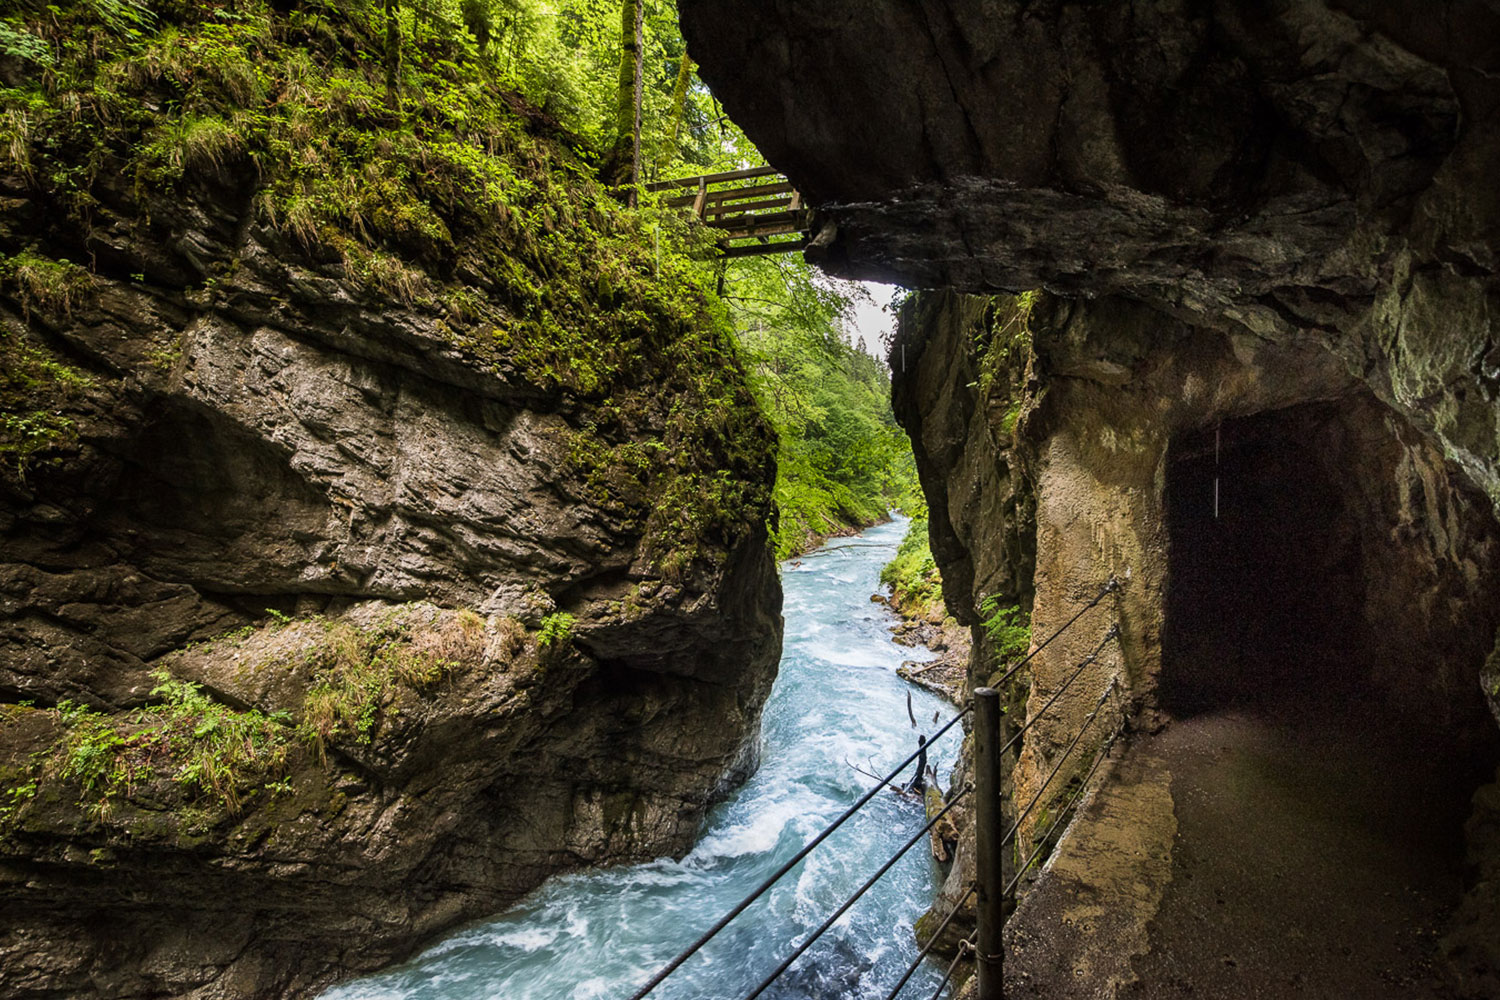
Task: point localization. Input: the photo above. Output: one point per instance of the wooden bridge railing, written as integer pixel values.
(752, 207)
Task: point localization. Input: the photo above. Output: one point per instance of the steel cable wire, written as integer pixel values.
(1088, 721)
(1082, 785)
(779, 873)
(1112, 634)
(801, 949)
(1109, 588)
(864, 800)
(967, 944)
(932, 939)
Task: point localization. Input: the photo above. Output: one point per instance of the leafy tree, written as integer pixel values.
(843, 462)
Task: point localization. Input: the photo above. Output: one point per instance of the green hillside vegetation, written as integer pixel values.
(916, 586)
(843, 462)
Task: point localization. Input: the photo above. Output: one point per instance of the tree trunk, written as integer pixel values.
(679, 110)
(624, 164)
(393, 54)
(640, 84)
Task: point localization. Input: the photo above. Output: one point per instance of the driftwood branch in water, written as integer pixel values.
(900, 790)
(909, 713)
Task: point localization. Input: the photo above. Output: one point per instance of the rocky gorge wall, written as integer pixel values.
(1304, 179)
(350, 585)
(1266, 244)
(1359, 565)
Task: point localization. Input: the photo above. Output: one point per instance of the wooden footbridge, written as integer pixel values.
(755, 209)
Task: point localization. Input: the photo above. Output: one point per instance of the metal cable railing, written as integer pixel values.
(865, 799)
(932, 940)
(1112, 634)
(966, 945)
(1015, 668)
(781, 872)
(1063, 814)
(801, 949)
(1010, 835)
(1061, 760)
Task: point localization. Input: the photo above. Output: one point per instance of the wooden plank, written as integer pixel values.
(760, 231)
(731, 194)
(723, 208)
(728, 175)
(745, 193)
(763, 219)
(752, 225)
(761, 249)
(698, 200)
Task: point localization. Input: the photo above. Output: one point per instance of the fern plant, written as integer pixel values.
(1008, 628)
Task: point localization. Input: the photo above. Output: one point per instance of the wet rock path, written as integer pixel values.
(1299, 850)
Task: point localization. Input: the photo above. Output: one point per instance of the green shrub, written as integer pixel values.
(916, 585)
(356, 671)
(205, 747)
(36, 391)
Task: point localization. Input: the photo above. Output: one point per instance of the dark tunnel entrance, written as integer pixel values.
(1266, 587)
(1332, 596)
(1326, 551)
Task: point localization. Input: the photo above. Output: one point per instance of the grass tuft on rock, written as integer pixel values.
(206, 748)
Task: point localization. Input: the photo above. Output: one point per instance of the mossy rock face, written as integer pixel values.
(324, 408)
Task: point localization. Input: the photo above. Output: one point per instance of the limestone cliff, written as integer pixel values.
(384, 522)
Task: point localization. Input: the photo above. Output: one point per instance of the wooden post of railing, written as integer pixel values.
(699, 203)
(990, 900)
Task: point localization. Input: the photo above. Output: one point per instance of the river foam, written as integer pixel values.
(599, 934)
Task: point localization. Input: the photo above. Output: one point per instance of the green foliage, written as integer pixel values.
(208, 749)
(18, 43)
(557, 628)
(36, 391)
(204, 142)
(842, 461)
(1008, 629)
(220, 757)
(564, 55)
(356, 672)
(16, 795)
(916, 586)
(463, 204)
(50, 287)
(1004, 346)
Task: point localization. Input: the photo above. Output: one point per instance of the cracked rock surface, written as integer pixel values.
(551, 658)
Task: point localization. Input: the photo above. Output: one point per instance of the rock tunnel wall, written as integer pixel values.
(1349, 558)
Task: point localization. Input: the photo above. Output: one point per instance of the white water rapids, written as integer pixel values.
(599, 935)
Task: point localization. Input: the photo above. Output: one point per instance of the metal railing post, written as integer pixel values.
(990, 900)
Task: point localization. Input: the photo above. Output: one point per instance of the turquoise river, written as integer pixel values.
(598, 935)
